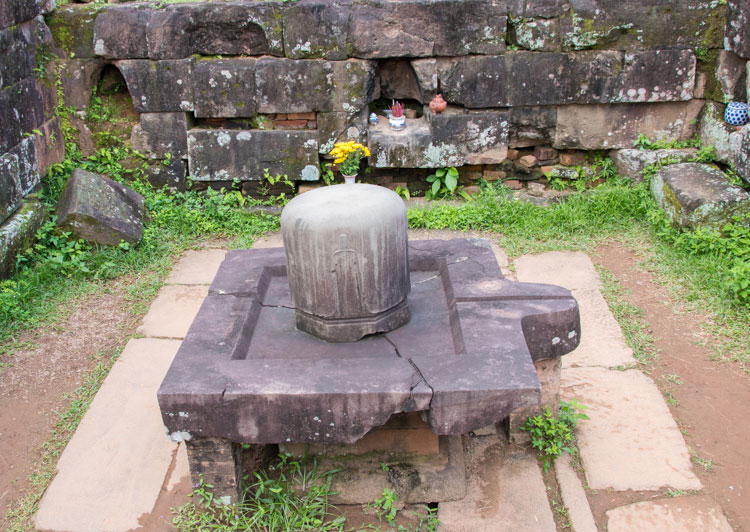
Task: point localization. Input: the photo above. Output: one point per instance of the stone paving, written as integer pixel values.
(114, 467)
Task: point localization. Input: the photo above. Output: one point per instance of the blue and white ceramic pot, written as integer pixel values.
(736, 114)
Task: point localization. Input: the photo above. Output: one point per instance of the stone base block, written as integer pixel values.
(549, 377)
(415, 478)
(352, 329)
(17, 233)
(223, 464)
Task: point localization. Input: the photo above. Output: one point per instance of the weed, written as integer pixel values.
(444, 183)
(644, 143)
(295, 499)
(551, 435)
(387, 505)
(674, 492)
(403, 192)
(387, 508)
(705, 463)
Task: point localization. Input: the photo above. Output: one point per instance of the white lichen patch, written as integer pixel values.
(180, 436)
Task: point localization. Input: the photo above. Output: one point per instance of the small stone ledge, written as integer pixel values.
(17, 233)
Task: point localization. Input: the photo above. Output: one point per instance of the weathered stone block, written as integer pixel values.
(380, 29)
(110, 38)
(241, 28)
(78, 80)
(597, 127)
(10, 187)
(698, 195)
(531, 126)
(638, 25)
(631, 162)
(714, 131)
(160, 133)
(731, 76)
(737, 38)
(537, 35)
(482, 136)
(26, 162)
(316, 29)
(409, 148)
(72, 27)
(17, 232)
(168, 173)
(338, 126)
(398, 81)
(743, 158)
(549, 372)
(426, 72)
(159, 86)
(100, 210)
(18, 58)
(293, 86)
(50, 145)
(526, 78)
(225, 155)
(355, 85)
(14, 12)
(224, 87)
(534, 8)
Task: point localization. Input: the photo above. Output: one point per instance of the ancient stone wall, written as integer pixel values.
(30, 138)
(229, 89)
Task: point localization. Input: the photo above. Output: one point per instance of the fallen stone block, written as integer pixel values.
(243, 28)
(678, 514)
(316, 29)
(225, 155)
(381, 29)
(159, 86)
(17, 232)
(698, 195)
(631, 162)
(482, 136)
(159, 134)
(112, 42)
(598, 127)
(293, 86)
(224, 88)
(100, 210)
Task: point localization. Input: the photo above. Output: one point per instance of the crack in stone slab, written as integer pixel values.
(416, 368)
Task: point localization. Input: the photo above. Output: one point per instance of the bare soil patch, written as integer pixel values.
(33, 387)
(712, 397)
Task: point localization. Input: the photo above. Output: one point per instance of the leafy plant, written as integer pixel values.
(403, 192)
(444, 183)
(551, 435)
(644, 143)
(387, 508)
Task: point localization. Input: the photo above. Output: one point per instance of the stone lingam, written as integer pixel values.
(324, 341)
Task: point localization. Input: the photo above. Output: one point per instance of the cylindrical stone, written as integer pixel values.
(347, 261)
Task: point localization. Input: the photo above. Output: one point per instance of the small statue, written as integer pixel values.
(438, 105)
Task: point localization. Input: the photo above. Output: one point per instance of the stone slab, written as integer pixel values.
(159, 134)
(698, 195)
(114, 466)
(529, 78)
(316, 29)
(197, 267)
(293, 86)
(574, 496)
(228, 154)
(73, 29)
(678, 514)
(224, 87)
(630, 441)
(173, 311)
(617, 126)
(505, 491)
(631, 162)
(571, 269)
(109, 39)
(159, 86)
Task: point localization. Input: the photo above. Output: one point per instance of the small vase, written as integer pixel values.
(736, 114)
(438, 105)
(397, 122)
(349, 179)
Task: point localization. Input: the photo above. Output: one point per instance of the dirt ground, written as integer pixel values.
(712, 396)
